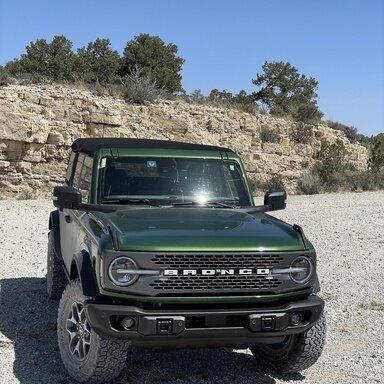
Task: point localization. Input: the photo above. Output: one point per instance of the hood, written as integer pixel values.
(199, 229)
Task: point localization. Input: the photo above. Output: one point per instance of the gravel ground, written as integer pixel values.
(347, 231)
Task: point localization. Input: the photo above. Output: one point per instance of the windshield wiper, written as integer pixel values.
(205, 204)
(221, 204)
(131, 201)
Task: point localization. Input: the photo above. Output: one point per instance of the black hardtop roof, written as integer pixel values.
(92, 145)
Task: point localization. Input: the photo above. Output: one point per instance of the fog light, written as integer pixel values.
(296, 318)
(127, 322)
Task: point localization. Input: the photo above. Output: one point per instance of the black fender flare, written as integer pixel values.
(85, 268)
(316, 285)
(54, 227)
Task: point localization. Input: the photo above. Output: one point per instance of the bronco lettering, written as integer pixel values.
(215, 272)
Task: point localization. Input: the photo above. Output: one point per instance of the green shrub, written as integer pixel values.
(285, 91)
(197, 97)
(245, 106)
(301, 133)
(33, 78)
(115, 90)
(337, 181)
(349, 180)
(4, 77)
(54, 60)
(363, 181)
(367, 180)
(310, 183)
(275, 182)
(349, 131)
(332, 173)
(377, 153)
(156, 59)
(269, 135)
(344, 180)
(306, 113)
(330, 159)
(97, 62)
(241, 101)
(139, 88)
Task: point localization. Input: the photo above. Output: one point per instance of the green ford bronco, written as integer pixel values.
(159, 244)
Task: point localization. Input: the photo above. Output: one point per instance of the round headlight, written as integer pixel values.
(302, 268)
(121, 271)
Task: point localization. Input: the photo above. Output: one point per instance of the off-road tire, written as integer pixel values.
(297, 353)
(56, 278)
(106, 357)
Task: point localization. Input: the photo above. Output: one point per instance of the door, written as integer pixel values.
(71, 230)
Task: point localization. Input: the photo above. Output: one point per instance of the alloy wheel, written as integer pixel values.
(79, 331)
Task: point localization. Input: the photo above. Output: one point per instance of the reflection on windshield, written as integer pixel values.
(166, 180)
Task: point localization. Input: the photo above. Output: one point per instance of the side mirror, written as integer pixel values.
(66, 197)
(275, 199)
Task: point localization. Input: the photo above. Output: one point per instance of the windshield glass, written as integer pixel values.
(167, 180)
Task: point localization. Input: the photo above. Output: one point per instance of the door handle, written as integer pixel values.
(68, 219)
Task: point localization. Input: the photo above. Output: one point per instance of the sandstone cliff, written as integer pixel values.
(38, 123)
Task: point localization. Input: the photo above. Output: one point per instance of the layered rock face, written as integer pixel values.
(38, 124)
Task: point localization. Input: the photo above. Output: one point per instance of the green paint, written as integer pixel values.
(185, 229)
(199, 229)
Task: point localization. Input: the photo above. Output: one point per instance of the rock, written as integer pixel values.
(103, 118)
(39, 123)
(23, 166)
(30, 97)
(4, 164)
(74, 116)
(288, 174)
(272, 148)
(46, 100)
(21, 126)
(55, 139)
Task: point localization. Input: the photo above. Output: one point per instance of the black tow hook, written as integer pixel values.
(164, 327)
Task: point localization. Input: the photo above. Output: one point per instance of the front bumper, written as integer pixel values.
(203, 328)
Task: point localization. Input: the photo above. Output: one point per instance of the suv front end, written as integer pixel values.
(164, 247)
(205, 299)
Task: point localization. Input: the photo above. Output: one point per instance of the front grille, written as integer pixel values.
(222, 282)
(216, 260)
(233, 283)
(230, 282)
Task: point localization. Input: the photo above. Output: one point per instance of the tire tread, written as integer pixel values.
(305, 351)
(109, 355)
(55, 288)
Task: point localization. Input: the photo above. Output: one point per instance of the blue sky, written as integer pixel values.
(339, 42)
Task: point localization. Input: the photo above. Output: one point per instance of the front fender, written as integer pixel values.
(86, 273)
(316, 285)
(54, 227)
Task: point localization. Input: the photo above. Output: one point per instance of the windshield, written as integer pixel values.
(168, 180)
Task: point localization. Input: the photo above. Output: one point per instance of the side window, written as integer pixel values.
(85, 177)
(82, 176)
(234, 179)
(70, 167)
(79, 165)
